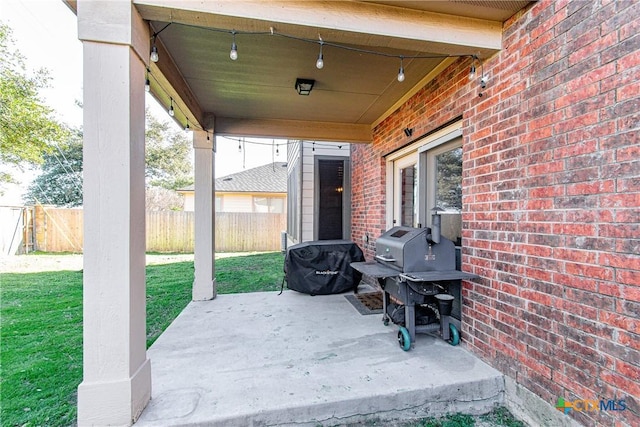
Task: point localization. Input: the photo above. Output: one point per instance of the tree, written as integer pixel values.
(168, 168)
(27, 127)
(167, 156)
(449, 192)
(60, 183)
(161, 199)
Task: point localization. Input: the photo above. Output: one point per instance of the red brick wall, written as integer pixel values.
(551, 200)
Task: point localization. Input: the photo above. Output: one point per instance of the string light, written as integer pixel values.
(401, 71)
(472, 72)
(147, 82)
(320, 61)
(233, 54)
(154, 52)
(154, 57)
(187, 128)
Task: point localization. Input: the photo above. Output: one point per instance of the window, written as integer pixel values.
(268, 204)
(426, 175)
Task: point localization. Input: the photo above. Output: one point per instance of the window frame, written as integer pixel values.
(436, 140)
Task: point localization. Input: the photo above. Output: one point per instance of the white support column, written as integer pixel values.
(204, 283)
(116, 382)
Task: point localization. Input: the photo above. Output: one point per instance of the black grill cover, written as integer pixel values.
(322, 267)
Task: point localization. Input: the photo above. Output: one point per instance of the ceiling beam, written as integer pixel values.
(293, 129)
(347, 22)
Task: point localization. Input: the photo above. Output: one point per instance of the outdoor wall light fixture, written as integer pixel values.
(472, 74)
(304, 86)
(408, 131)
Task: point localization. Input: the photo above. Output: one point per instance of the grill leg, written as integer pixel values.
(410, 320)
(385, 302)
(444, 328)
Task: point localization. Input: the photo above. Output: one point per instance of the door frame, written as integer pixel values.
(419, 147)
(346, 195)
(398, 165)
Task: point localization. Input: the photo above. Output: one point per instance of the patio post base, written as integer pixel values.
(114, 402)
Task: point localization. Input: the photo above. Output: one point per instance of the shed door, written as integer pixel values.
(331, 186)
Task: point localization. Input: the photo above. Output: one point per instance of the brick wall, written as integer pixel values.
(551, 200)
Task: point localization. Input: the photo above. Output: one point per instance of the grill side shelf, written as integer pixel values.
(435, 276)
(374, 269)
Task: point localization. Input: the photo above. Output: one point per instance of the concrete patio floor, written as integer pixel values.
(264, 359)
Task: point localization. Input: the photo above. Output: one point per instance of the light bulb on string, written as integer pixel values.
(472, 71)
(154, 54)
(154, 51)
(233, 54)
(187, 128)
(171, 112)
(320, 61)
(401, 71)
(147, 82)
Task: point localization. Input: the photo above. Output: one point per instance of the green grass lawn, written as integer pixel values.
(41, 329)
(41, 334)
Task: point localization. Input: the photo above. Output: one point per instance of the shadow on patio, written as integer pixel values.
(292, 359)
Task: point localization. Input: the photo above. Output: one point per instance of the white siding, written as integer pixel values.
(189, 202)
(237, 203)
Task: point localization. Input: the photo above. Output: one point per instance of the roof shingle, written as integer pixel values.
(269, 178)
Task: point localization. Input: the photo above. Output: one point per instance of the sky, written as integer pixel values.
(46, 34)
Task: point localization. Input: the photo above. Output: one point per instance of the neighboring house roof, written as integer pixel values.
(269, 178)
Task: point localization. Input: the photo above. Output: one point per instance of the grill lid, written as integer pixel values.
(406, 249)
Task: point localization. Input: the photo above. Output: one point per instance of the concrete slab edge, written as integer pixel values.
(531, 409)
(474, 398)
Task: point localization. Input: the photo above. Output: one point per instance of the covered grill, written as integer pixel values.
(416, 267)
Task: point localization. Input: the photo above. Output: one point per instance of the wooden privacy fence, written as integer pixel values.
(51, 229)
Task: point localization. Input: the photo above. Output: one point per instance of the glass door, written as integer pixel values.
(444, 187)
(405, 191)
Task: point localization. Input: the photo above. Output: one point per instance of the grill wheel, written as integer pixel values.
(404, 339)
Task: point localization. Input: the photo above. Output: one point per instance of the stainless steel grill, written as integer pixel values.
(415, 268)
